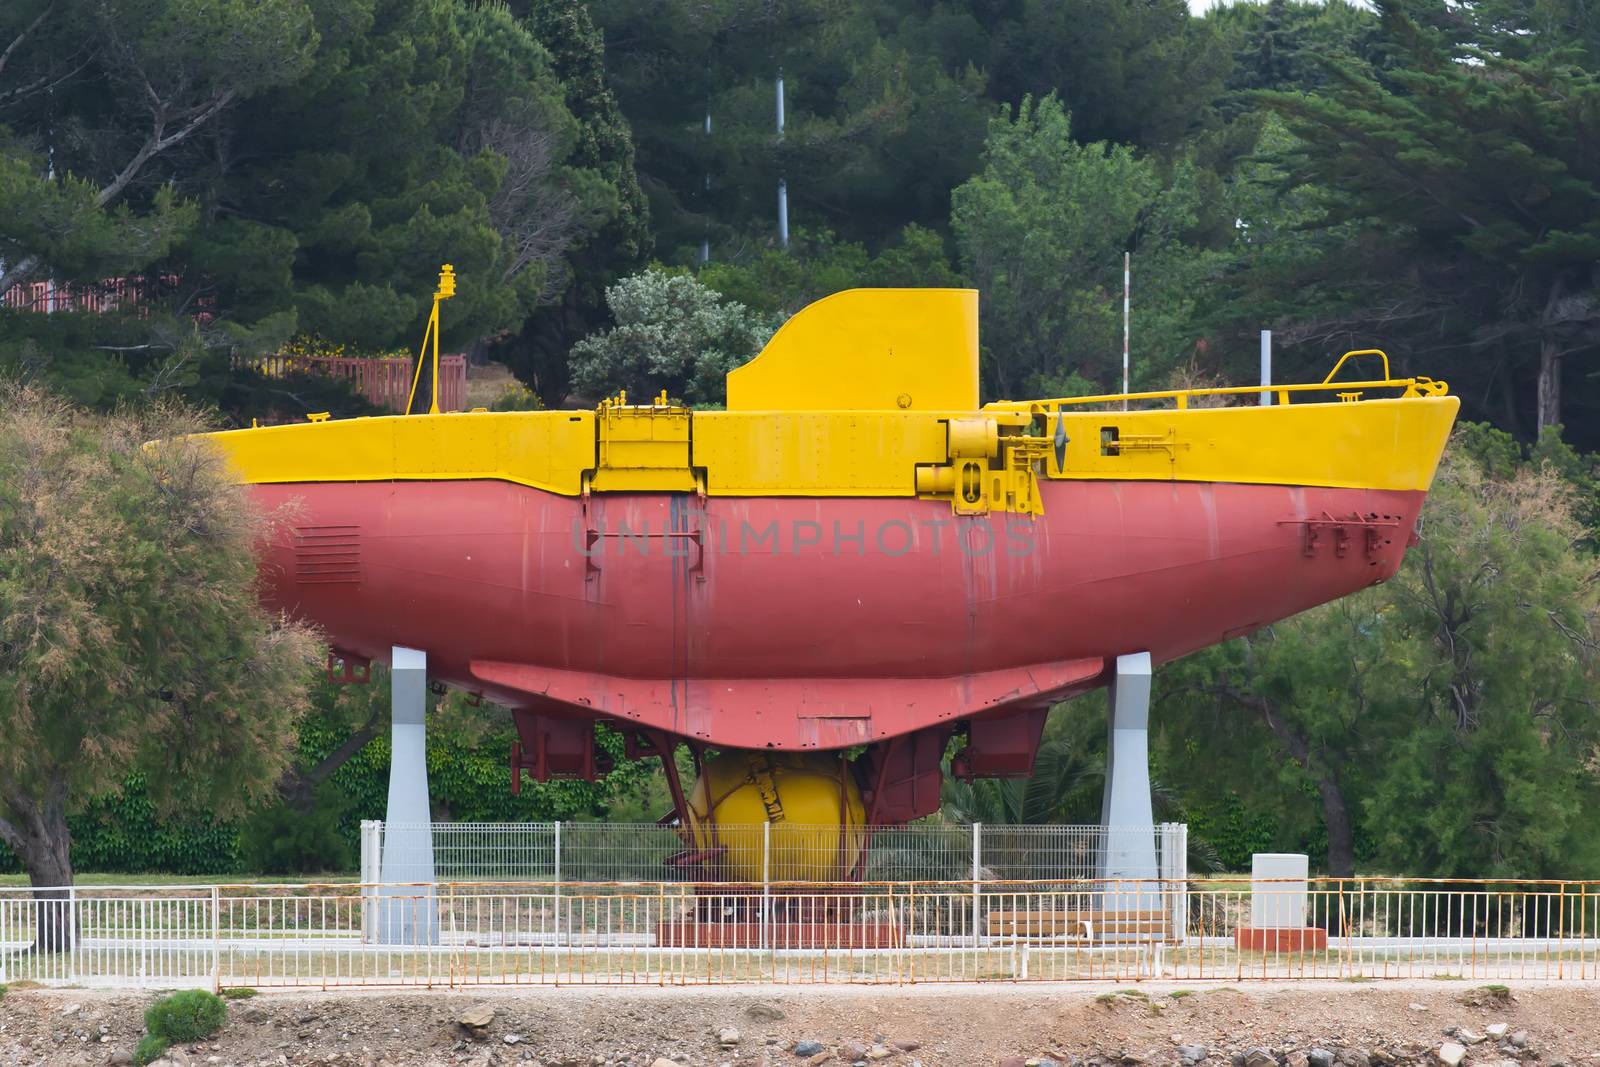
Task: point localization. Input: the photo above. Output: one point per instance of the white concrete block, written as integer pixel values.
(1278, 889)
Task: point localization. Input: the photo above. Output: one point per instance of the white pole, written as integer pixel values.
(72, 932)
(1266, 367)
(783, 185)
(216, 940)
(1127, 289)
(766, 878)
(977, 869)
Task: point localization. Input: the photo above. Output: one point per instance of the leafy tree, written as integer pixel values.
(290, 168)
(98, 103)
(130, 635)
(143, 77)
(672, 333)
(430, 132)
(1042, 231)
(1287, 44)
(1470, 156)
(1444, 719)
(538, 352)
(885, 112)
(1138, 73)
(778, 284)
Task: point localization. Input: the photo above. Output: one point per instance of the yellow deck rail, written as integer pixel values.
(1408, 387)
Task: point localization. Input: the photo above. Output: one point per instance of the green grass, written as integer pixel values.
(1131, 994)
(1179, 994)
(242, 992)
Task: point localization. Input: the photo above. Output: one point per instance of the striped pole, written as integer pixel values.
(1127, 288)
(783, 184)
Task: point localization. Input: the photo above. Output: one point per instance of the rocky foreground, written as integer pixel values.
(1309, 1025)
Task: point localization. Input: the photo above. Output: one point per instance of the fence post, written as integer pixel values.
(72, 933)
(1174, 875)
(977, 868)
(1183, 897)
(371, 875)
(558, 881)
(216, 940)
(766, 879)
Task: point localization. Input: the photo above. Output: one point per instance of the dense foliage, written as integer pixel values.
(1443, 721)
(130, 634)
(226, 179)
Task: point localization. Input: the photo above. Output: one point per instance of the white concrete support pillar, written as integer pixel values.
(410, 912)
(1127, 819)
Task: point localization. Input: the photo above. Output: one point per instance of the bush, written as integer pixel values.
(281, 840)
(149, 1049)
(186, 1016)
(516, 397)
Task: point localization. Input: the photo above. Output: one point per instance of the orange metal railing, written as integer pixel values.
(529, 933)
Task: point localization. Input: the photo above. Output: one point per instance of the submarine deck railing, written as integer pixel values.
(455, 935)
(1346, 391)
(1411, 387)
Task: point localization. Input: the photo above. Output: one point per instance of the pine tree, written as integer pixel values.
(538, 352)
(1475, 164)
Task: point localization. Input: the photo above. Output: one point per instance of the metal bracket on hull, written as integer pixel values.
(988, 470)
(1377, 532)
(549, 746)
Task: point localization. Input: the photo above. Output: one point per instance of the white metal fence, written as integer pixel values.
(668, 933)
(647, 852)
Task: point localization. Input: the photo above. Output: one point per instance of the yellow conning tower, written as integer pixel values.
(874, 393)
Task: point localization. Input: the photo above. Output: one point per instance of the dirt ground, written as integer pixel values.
(1322, 1025)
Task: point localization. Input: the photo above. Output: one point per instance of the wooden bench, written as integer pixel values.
(1080, 925)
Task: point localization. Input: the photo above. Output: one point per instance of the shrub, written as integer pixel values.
(516, 397)
(672, 333)
(186, 1016)
(282, 840)
(149, 1049)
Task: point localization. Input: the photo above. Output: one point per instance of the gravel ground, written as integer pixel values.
(1282, 1025)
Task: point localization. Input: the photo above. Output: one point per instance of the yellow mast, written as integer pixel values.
(447, 289)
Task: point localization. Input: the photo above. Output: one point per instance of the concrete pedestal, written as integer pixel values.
(408, 913)
(1126, 815)
(1127, 819)
(1278, 906)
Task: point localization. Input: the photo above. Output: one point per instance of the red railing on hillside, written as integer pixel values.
(109, 295)
(384, 382)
